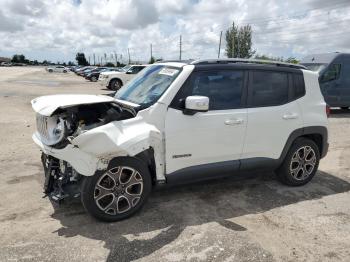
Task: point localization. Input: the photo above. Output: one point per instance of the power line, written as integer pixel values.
(180, 46)
(298, 31)
(331, 6)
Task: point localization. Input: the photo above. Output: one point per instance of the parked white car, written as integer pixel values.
(181, 122)
(8, 64)
(57, 69)
(114, 80)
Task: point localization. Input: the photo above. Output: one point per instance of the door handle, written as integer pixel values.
(290, 116)
(235, 121)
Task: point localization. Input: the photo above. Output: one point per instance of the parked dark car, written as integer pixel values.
(334, 76)
(95, 74)
(93, 70)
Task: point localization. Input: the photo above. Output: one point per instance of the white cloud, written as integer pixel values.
(57, 29)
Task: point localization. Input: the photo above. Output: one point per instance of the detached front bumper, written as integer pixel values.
(84, 163)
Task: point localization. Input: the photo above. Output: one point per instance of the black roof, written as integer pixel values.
(246, 61)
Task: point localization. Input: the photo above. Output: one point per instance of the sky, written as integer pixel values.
(56, 30)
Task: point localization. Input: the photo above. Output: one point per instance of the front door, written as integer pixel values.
(207, 138)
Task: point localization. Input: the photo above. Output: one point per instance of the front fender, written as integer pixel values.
(123, 138)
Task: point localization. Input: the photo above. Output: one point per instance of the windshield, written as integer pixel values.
(315, 67)
(149, 85)
(125, 68)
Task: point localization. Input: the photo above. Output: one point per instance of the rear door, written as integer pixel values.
(272, 116)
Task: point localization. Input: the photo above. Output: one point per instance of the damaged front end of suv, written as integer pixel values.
(107, 150)
(57, 129)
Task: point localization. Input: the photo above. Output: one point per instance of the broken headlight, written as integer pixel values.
(52, 130)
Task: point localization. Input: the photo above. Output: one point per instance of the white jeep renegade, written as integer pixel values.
(178, 122)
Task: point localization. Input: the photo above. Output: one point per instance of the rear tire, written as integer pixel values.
(115, 84)
(50, 70)
(300, 164)
(118, 192)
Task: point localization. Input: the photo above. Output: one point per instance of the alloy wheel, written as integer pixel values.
(118, 190)
(117, 85)
(303, 163)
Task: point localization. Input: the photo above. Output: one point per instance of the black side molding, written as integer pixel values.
(310, 130)
(229, 168)
(203, 172)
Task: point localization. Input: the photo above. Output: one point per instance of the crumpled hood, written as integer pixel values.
(47, 105)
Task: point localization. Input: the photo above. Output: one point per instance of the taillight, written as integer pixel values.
(328, 110)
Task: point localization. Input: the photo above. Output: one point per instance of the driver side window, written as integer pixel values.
(332, 73)
(223, 87)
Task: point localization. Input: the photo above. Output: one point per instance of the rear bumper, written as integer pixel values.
(82, 162)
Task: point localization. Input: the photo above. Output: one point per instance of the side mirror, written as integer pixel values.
(194, 104)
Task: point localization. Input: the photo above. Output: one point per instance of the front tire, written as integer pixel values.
(344, 107)
(119, 191)
(93, 79)
(115, 84)
(300, 164)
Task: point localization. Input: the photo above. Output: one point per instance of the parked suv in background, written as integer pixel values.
(178, 122)
(115, 80)
(334, 76)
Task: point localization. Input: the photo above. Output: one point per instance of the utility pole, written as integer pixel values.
(151, 53)
(89, 60)
(238, 46)
(180, 47)
(94, 59)
(129, 55)
(220, 44)
(116, 58)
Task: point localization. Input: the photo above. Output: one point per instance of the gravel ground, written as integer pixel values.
(246, 218)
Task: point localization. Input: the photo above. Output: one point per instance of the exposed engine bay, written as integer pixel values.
(67, 123)
(61, 180)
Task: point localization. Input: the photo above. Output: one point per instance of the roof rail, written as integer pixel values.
(246, 61)
(189, 61)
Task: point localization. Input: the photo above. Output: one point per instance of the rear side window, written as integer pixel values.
(332, 73)
(298, 86)
(268, 88)
(224, 88)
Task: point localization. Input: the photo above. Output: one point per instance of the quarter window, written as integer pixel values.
(298, 85)
(268, 88)
(224, 88)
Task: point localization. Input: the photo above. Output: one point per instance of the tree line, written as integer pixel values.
(239, 45)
